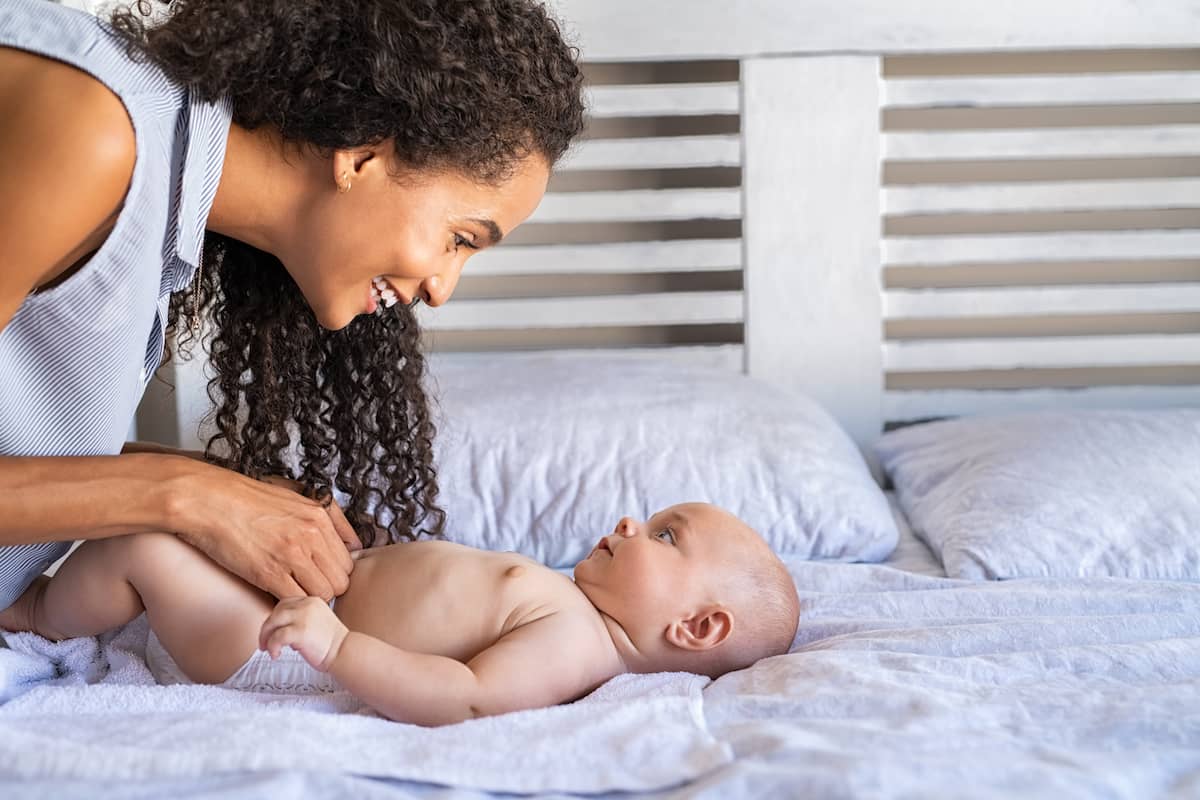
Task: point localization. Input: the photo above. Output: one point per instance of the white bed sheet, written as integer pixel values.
(904, 683)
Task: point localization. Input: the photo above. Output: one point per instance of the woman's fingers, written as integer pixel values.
(337, 550)
(314, 553)
(327, 573)
(308, 568)
(339, 580)
(284, 585)
(270, 535)
(345, 530)
(312, 580)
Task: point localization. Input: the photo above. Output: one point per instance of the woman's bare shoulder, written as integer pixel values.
(67, 111)
(68, 148)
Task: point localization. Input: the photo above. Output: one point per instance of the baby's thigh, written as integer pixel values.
(207, 618)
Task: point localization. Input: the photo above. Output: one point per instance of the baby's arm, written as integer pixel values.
(542, 663)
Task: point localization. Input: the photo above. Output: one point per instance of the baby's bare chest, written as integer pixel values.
(443, 599)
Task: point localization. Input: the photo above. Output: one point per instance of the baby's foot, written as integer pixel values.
(20, 615)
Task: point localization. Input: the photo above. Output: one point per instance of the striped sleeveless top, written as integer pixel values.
(75, 358)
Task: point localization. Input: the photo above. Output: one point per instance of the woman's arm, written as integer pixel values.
(271, 536)
(57, 499)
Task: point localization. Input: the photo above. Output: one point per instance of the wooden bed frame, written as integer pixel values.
(905, 209)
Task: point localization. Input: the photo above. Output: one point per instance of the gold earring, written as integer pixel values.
(343, 185)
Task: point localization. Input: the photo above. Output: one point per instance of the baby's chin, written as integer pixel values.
(584, 585)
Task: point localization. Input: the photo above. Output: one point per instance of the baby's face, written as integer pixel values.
(653, 571)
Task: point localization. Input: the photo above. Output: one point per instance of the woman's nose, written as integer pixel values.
(431, 292)
(436, 289)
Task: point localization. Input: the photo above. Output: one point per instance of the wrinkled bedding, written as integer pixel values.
(901, 683)
(910, 686)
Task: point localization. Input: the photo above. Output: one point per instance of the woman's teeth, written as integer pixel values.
(383, 292)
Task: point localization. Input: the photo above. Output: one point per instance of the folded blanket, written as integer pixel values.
(89, 709)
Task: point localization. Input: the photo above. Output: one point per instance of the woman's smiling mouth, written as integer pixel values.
(383, 293)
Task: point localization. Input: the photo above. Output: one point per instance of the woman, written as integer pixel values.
(299, 173)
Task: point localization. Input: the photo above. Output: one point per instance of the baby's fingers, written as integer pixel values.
(280, 618)
(278, 638)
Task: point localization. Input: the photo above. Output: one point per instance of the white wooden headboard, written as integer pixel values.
(905, 208)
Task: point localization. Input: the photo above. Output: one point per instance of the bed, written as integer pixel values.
(916, 286)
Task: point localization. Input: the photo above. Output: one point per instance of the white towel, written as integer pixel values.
(89, 709)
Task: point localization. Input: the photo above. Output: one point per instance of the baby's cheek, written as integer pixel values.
(645, 579)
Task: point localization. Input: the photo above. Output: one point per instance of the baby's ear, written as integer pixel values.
(704, 630)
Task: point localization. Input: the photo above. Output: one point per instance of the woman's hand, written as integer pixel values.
(305, 624)
(266, 533)
(341, 525)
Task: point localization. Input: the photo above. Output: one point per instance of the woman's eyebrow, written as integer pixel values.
(493, 231)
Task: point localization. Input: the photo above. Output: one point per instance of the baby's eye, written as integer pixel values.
(668, 533)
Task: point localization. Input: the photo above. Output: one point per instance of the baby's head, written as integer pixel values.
(694, 588)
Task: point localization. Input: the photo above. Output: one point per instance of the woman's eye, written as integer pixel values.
(462, 241)
(666, 532)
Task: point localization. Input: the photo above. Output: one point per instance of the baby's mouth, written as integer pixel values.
(602, 546)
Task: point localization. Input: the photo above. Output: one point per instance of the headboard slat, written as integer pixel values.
(638, 205)
(1041, 352)
(662, 308)
(664, 152)
(1038, 90)
(913, 405)
(1004, 248)
(722, 356)
(1110, 142)
(998, 302)
(1056, 196)
(651, 100)
(681, 255)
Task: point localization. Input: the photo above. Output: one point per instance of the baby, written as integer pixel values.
(432, 632)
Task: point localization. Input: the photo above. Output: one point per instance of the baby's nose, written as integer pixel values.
(626, 527)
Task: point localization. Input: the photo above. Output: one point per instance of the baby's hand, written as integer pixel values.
(306, 624)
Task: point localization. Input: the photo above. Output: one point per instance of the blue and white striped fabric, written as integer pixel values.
(76, 358)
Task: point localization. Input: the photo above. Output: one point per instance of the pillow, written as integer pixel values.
(1078, 493)
(542, 454)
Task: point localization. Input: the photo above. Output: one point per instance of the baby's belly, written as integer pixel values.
(425, 602)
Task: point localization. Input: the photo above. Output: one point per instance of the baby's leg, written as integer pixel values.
(206, 618)
(93, 597)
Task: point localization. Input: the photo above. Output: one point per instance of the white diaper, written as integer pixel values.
(290, 674)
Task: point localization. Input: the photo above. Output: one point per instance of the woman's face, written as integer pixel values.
(412, 231)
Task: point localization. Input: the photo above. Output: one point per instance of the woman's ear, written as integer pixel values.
(704, 630)
(349, 165)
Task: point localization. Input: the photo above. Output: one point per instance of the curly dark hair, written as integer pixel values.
(469, 86)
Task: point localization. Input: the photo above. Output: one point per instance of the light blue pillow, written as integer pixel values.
(542, 454)
(1071, 493)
